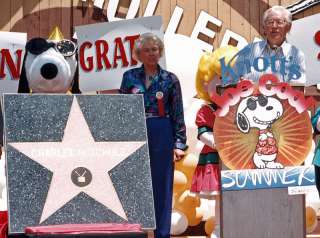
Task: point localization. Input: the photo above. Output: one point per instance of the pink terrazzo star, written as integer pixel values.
(78, 149)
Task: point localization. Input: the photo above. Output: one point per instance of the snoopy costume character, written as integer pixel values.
(50, 66)
(261, 112)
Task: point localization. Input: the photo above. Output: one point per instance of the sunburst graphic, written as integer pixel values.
(292, 131)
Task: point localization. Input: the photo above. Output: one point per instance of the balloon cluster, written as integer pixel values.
(311, 219)
(187, 207)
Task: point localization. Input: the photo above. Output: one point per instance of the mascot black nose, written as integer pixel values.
(49, 71)
(269, 108)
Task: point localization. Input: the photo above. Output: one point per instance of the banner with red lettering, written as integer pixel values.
(105, 51)
(305, 34)
(12, 46)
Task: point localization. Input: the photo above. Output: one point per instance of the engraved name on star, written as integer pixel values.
(79, 155)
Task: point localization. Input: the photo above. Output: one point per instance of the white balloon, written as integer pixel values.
(208, 207)
(309, 159)
(3, 200)
(179, 223)
(190, 113)
(182, 58)
(2, 174)
(3, 189)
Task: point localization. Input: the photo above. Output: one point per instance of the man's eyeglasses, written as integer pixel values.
(279, 22)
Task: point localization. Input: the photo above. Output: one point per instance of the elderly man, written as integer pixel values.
(274, 54)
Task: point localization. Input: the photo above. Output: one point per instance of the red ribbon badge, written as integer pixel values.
(161, 111)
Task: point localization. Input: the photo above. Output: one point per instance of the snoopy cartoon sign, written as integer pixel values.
(261, 112)
(264, 126)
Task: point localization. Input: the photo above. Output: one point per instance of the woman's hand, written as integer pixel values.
(178, 154)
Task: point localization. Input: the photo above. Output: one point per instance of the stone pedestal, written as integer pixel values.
(77, 160)
(263, 213)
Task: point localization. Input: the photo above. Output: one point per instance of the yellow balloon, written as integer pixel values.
(188, 164)
(192, 131)
(209, 226)
(185, 201)
(311, 219)
(179, 181)
(196, 217)
(190, 212)
(174, 198)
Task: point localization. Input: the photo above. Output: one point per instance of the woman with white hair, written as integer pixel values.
(165, 122)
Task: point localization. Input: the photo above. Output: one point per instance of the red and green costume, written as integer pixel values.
(206, 178)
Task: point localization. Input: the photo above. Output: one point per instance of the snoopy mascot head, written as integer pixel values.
(50, 66)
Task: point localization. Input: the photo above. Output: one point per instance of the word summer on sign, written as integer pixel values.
(267, 178)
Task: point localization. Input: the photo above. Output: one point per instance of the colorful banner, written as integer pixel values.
(12, 46)
(305, 34)
(267, 178)
(105, 51)
(265, 128)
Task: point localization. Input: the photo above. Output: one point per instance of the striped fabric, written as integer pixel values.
(292, 60)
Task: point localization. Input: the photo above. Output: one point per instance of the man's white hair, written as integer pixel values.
(278, 9)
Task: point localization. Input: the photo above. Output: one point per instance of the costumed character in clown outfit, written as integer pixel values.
(206, 178)
(50, 66)
(165, 122)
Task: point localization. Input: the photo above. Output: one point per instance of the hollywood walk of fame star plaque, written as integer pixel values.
(77, 159)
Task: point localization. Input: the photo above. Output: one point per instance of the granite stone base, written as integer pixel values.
(77, 160)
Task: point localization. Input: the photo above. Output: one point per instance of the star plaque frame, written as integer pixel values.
(77, 159)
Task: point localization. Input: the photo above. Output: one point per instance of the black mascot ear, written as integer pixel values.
(23, 82)
(75, 83)
(243, 123)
